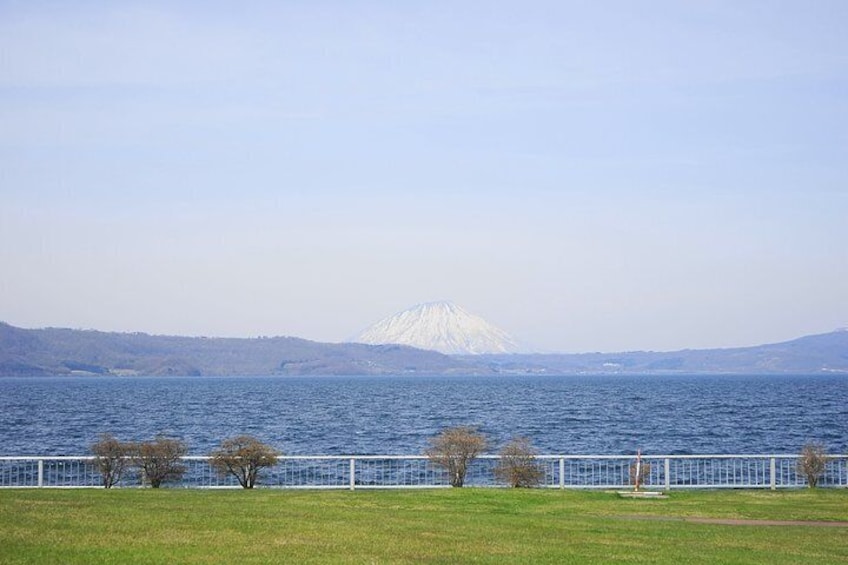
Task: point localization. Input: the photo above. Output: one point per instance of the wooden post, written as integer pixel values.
(637, 481)
(772, 473)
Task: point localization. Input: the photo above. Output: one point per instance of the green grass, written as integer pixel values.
(421, 526)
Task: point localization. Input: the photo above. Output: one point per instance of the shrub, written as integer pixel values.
(243, 457)
(812, 463)
(454, 449)
(159, 460)
(111, 457)
(517, 466)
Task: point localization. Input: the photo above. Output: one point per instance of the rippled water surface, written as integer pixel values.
(396, 415)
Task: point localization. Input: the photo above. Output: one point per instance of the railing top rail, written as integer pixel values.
(46, 457)
(690, 456)
(420, 457)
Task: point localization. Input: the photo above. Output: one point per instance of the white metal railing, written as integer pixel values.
(664, 472)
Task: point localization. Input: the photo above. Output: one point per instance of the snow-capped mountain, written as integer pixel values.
(440, 326)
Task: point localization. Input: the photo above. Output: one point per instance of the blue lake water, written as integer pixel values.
(396, 415)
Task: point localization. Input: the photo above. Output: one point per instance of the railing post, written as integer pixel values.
(667, 472)
(41, 473)
(352, 473)
(772, 473)
(562, 472)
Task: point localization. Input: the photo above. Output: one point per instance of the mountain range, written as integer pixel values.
(823, 353)
(55, 351)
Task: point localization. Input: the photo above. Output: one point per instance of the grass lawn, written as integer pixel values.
(420, 526)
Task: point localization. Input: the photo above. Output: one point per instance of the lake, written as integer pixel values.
(396, 415)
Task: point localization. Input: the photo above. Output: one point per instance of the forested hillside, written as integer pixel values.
(51, 351)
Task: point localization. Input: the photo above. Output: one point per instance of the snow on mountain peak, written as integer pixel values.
(440, 326)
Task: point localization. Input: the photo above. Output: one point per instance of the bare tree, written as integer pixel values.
(639, 471)
(454, 449)
(111, 457)
(159, 459)
(243, 457)
(812, 463)
(517, 466)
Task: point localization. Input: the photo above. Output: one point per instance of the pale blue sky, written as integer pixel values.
(586, 175)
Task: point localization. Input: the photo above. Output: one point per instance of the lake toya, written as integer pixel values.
(396, 415)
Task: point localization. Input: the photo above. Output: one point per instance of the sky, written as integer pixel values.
(588, 176)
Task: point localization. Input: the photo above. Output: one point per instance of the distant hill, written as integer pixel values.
(824, 353)
(52, 351)
(440, 326)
